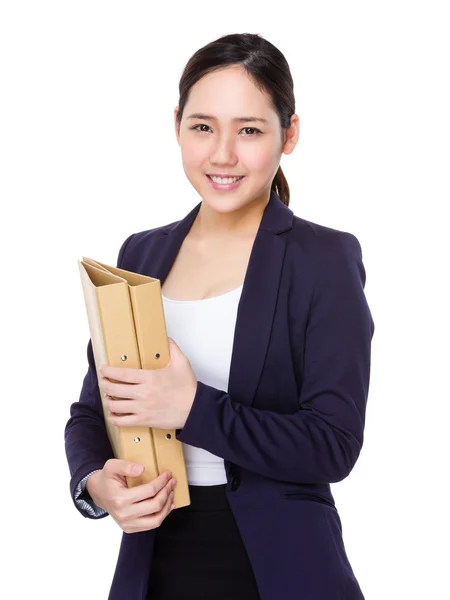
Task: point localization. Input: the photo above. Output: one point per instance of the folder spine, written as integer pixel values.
(155, 354)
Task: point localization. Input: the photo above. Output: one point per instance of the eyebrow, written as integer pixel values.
(236, 119)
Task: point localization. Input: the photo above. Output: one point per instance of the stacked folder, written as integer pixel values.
(127, 326)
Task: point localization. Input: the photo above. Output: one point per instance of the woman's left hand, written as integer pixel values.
(160, 398)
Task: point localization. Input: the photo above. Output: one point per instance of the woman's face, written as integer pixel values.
(223, 144)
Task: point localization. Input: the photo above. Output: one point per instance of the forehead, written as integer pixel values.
(228, 91)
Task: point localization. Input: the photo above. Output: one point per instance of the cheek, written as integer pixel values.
(193, 155)
(258, 158)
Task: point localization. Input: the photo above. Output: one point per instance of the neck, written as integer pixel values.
(210, 224)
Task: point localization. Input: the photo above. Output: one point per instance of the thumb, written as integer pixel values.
(173, 346)
(125, 468)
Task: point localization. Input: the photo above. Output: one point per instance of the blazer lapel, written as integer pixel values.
(259, 294)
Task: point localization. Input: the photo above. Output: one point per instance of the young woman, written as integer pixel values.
(268, 395)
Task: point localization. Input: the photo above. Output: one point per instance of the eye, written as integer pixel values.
(200, 125)
(252, 129)
(257, 131)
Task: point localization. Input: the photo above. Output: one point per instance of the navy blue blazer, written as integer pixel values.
(293, 418)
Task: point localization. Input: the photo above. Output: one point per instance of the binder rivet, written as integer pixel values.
(168, 436)
(123, 357)
(137, 440)
(157, 355)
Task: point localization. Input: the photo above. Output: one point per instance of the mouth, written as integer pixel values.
(224, 177)
(224, 184)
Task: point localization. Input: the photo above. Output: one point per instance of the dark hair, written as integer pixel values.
(268, 69)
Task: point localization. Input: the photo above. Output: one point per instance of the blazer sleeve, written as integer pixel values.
(86, 441)
(321, 442)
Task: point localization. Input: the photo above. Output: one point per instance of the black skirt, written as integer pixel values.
(199, 554)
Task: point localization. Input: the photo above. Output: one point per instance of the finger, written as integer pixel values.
(120, 390)
(123, 420)
(121, 406)
(148, 490)
(152, 506)
(154, 520)
(127, 375)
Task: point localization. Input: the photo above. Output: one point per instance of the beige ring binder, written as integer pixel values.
(127, 326)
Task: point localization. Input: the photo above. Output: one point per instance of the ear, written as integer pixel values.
(175, 112)
(291, 135)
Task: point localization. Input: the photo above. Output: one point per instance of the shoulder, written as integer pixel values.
(319, 255)
(141, 240)
(332, 260)
(322, 243)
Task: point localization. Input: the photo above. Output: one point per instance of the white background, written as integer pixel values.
(89, 156)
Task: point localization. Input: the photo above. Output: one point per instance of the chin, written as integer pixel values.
(224, 202)
(220, 205)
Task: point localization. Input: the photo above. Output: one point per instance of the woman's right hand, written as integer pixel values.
(134, 509)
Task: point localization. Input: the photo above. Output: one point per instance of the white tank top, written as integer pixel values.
(204, 330)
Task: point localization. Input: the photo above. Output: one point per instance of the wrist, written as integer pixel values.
(91, 485)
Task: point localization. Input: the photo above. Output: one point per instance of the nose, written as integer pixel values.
(223, 151)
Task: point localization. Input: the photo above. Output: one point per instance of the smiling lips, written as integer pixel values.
(225, 183)
(225, 179)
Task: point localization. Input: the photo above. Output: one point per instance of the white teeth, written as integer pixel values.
(225, 180)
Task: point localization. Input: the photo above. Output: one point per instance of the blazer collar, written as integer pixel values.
(259, 294)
